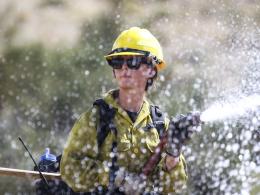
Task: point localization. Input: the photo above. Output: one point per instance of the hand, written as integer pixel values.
(180, 130)
(170, 162)
(129, 183)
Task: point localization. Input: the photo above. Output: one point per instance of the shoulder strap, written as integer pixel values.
(105, 125)
(158, 119)
(106, 114)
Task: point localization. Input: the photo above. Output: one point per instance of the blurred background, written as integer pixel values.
(52, 68)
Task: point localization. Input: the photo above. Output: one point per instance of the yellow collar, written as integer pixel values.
(110, 98)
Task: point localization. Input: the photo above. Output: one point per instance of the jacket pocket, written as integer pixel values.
(123, 145)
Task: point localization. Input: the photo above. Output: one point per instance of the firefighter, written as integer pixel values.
(111, 142)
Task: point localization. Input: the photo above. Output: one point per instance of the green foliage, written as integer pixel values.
(45, 90)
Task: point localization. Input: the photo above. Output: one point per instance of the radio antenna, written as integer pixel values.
(41, 175)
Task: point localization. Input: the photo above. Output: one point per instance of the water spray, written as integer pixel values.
(183, 126)
(231, 110)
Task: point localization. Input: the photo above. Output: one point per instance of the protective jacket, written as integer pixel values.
(84, 166)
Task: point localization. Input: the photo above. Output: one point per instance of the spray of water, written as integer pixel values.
(230, 110)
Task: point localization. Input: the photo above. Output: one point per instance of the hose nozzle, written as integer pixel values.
(194, 118)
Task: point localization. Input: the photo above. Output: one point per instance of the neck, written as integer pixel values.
(131, 100)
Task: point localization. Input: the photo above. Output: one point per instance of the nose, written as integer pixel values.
(124, 67)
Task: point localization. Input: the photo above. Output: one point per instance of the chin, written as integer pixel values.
(129, 86)
(126, 87)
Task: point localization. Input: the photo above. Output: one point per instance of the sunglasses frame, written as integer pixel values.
(133, 63)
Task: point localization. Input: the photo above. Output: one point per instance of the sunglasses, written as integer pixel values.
(132, 62)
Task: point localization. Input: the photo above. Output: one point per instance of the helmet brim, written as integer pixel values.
(124, 54)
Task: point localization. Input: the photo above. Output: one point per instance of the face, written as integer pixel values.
(133, 78)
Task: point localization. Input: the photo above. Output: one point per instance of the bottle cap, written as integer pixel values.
(48, 156)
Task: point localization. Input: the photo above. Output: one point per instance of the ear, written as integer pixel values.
(151, 73)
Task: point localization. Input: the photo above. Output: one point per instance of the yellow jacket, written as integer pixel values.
(82, 168)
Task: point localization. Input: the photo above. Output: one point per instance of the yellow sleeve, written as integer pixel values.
(80, 167)
(174, 180)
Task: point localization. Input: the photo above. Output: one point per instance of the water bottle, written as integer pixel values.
(48, 162)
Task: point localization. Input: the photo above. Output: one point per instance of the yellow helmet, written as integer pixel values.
(137, 41)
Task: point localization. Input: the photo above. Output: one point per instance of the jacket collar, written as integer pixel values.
(110, 98)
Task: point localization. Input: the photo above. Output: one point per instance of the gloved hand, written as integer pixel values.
(180, 130)
(129, 183)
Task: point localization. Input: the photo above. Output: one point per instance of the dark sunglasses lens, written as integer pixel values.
(116, 63)
(134, 63)
(145, 60)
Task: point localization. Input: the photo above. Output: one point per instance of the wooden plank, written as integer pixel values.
(27, 174)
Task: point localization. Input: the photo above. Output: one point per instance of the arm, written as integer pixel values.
(170, 162)
(170, 170)
(179, 131)
(80, 167)
(173, 169)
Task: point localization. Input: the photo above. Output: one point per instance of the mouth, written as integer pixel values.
(126, 76)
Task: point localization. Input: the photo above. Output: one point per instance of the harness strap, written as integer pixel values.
(106, 114)
(105, 125)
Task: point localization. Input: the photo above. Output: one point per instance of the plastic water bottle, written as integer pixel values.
(48, 162)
